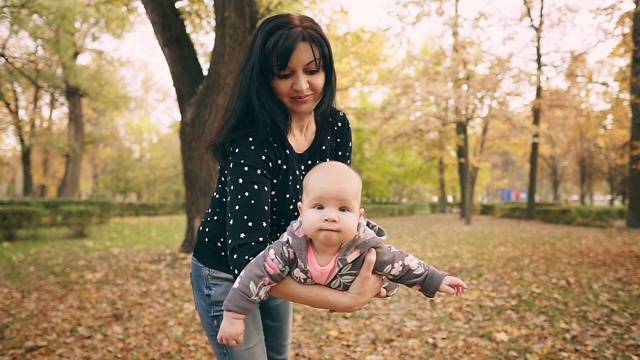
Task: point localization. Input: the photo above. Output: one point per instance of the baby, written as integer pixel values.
(327, 245)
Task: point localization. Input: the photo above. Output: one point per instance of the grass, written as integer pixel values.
(537, 291)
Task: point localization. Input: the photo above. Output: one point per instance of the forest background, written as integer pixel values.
(450, 100)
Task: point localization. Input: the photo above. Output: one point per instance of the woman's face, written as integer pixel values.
(300, 86)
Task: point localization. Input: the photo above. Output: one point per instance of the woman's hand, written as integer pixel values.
(365, 287)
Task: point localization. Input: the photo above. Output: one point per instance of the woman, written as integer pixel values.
(279, 122)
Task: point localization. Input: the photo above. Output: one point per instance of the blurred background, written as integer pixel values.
(451, 101)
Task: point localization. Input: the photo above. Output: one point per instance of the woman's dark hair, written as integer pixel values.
(252, 104)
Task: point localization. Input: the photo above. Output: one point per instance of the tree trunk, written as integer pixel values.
(442, 199)
(25, 158)
(633, 210)
(201, 99)
(555, 175)
(555, 179)
(25, 148)
(533, 168)
(27, 177)
(536, 110)
(461, 78)
(463, 171)
(612, 188)
(473, 170)
(95, 172)
(70, 185)
(582, 170)
(467, 200)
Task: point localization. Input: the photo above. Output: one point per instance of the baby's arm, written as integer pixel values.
(268, 268)
(404, 268)
(231, 331)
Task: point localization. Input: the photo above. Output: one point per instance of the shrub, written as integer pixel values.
(434, 207)
(488, 209)
(387, 210)
(147, 209)
(14, 217)
(512, 210)
(557, 215)
(560, 214)
(78, 218)
(596, 216)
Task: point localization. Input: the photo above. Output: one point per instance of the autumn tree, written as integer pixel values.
(28, 84)
(76, 26)
(453, 83)
(52, 37)
(557, 154)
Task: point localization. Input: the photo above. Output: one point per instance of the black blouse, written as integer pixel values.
(257, 194)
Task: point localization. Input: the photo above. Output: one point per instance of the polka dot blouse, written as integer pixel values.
(257, 193)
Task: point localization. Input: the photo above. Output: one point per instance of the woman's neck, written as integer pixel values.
(302, 125)
(301, 133)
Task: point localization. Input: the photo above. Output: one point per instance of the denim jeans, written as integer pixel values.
(267, 329)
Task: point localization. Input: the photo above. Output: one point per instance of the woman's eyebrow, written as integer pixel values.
(315, 61)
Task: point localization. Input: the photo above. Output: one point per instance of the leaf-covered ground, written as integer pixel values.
(537, 291)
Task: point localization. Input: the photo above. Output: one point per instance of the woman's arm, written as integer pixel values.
(248, 202)
(365, 286)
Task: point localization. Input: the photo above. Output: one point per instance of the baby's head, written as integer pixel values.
(331, 195)
(333, 179)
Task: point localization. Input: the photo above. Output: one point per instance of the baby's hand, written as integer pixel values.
(453, 285)
(231, 331)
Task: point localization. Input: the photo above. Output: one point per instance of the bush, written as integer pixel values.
(78, 218)
(56, 218)
(147, 209)
(488, 209)
(557, 215)
(596, 216)
(387, 210)
(512, 210)
(434, 207)
(14, 217)
(561, 214)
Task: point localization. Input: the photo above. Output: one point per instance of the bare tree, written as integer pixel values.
(633, 211)
(536, 108)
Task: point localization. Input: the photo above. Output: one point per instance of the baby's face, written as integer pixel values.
(330, 212)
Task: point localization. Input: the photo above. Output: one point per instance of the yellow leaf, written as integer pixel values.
(501, 336)
(413, 343)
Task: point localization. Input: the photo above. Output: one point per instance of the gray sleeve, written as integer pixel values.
(267, 269)
(403, 268)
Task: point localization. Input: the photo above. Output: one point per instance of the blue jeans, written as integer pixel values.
(268, 329)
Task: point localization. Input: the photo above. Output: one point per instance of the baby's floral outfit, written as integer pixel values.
(289, 256)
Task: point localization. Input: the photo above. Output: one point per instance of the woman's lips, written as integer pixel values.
(301, 99)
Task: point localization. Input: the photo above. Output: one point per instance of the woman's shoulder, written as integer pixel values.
(252, 140)
(251, 145)
(338, 121)
(338, 115)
